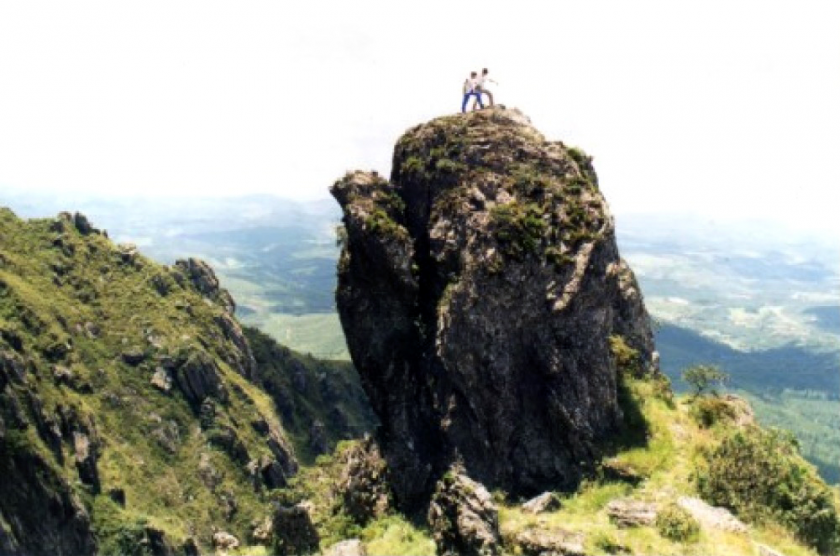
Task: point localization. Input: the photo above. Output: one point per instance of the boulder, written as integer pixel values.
(545, 502)
(318, 442)
(133, 356)
(198, 378)
(364, 484)
(294, 532)
(162, 380)
(224, 541)
(463, 518)
(556, 542)
(712, 516)
(86, 460)
(631, 513)
(202, 277)
(350, 547)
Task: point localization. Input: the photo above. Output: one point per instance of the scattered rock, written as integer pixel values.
(631, 513)
(225, 541)
(363, 484)
(168, 436)
(764, 550)
(154, 542)
(463, 517)
(209, 475)
(261, 530)
(190, 547)
(128, 253)
(743, 414)
(93, 331)
(162, 380)
(117, 495)
(537, 542)
(545, 502)
(198, 378)
(240, 357)
(83, 224)
(13, 366)
(615, 470)
(350, 547)
(62, 375)
(204, 279)
(86, 460)
(294, 532)
(271, 473)
(711, 516)
(226, 439)
(133, 356)
(318, 442)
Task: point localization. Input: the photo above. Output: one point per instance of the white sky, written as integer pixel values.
(717, 107)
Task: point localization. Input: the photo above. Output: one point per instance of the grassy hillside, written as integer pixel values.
(792, 388)
(678, 457)
(134, 392)
(133, 420)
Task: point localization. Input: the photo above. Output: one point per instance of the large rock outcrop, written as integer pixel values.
(484, 302)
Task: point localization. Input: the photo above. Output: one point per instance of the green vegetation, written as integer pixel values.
(676, 524)
(812, 417)
(707, 412)
(660, 470)
(626, 358)
(703, 378)
(760, 475)
(85, 326)
(791, 388)
(306, 390)
(519, 228)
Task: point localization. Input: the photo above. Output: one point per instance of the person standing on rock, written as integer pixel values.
(470, 90)
(481, 88)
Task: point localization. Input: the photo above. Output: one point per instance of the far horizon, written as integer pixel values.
(51, 202)
(720, 110)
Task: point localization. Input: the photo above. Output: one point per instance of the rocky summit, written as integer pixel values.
(486, 306)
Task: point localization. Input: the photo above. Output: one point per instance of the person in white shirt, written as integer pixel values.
(470, 90)
(482, 88)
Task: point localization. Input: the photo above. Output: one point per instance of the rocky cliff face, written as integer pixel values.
(486, 306)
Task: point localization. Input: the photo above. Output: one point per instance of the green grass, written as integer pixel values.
(396, 536)
(668, 463)
(149, 442)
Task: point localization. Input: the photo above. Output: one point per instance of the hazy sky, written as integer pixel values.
(717, 107)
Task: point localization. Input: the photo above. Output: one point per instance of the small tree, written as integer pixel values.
(703, 378)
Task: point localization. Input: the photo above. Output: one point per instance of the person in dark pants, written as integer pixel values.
(470, 90)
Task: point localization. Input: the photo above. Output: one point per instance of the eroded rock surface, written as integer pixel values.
(463, 517)
(482, 294)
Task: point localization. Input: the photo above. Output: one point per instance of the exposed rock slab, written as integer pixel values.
(631, 513)
(350, 547)
(538, 542)
(711, 516)
(545, 502)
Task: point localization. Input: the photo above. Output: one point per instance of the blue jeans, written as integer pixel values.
(467, 99)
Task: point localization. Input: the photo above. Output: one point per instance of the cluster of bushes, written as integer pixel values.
(519, 227)
(676, 524)
(761, 476)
